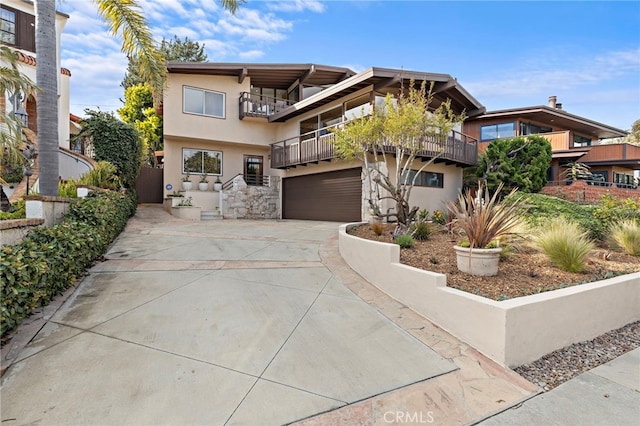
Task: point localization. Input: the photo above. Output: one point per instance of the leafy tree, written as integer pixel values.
(396, 133)
(125, 19)
(114, 141)
(171, 50)
(139, 112)
(520, 162)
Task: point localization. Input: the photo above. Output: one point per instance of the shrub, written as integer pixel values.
(18, 211)
(421, 231)
(438, 217)
(377, 228)
(404, 241)
(49, 260)
(626, 234)
(68, 189)
(104, 175)
(565, 244)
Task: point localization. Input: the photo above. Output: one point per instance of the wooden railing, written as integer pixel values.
(559, 140)
(260, 106)
(318, 146)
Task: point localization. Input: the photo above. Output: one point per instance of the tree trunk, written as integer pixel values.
(47, 103)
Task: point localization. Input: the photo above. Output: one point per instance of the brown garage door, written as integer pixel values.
(333, 196)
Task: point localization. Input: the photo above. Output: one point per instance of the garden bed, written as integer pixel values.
(522, 273)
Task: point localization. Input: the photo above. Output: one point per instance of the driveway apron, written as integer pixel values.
(217, 322)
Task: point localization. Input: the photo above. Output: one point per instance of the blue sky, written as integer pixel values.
(506, 54)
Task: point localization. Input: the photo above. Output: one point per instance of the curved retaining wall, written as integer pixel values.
(511, 332)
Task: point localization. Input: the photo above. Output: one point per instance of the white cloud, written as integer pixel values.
(251, 54)
(563, 73)
(296, 6)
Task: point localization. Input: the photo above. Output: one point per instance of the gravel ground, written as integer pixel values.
(559, 366)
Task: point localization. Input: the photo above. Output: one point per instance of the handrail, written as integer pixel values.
(228, 183)
(251, 105)
(317, 145)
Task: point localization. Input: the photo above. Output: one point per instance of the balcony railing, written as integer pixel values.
(260, 105)
(318, 146)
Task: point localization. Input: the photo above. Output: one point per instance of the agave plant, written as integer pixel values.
(483, 218)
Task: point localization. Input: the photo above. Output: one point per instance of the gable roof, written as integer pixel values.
(343, 81)
(559, 118)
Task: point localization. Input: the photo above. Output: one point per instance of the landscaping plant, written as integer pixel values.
(49, 260)
(565, 244)
(404, 241)
(626, 235)
(482, 218)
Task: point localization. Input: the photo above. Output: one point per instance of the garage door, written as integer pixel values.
(333, 196)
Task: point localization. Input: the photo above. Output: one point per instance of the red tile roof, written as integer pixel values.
(31, 60)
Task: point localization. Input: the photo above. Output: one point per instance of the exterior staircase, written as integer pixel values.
(210, 215)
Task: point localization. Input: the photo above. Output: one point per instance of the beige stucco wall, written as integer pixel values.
(228, 129)
(232, 159)
(511, 332)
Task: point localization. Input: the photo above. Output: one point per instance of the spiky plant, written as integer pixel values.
(626, 235)
(483, 218)
(565, 244)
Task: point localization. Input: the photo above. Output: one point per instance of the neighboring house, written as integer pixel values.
(260, 120)
(17, 30)
(573, 139)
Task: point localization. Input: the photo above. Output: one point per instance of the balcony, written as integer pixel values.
(260, 106)
(317, 146)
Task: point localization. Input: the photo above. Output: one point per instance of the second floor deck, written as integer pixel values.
(312, 147)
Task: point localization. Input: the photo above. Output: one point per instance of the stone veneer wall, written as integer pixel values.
(242, 201)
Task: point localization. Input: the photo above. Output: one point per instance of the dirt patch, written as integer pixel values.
(523, 272)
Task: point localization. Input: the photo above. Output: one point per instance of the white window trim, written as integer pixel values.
(224, 102)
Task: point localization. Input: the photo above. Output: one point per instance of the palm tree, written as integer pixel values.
(11, 81)
(125, 20)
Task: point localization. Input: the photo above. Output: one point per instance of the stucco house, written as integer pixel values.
(573, 139)
(268, 123)
(17, 30)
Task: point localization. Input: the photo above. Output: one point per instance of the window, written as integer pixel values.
(203, 102)
(533, 129)
(497, 131)
(429, 179)
(581, 141)
(17, 29)
(199, 161)
(357, 107)
(7, 26)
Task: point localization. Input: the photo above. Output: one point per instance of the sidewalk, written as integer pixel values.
(607, 395)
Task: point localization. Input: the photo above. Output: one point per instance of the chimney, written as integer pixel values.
(558, 105)
(552, 101)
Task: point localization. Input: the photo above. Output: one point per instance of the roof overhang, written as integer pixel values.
(275, 76)
(567, 154)
(445, 87)
(557, 118)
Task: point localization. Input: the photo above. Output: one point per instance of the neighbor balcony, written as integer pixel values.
(316, 146)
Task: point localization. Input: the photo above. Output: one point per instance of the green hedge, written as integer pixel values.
(49, 260)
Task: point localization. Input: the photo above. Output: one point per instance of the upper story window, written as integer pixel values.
(581, 141)
(203, 102)
(7, 26)
(17, 29)
(490, 132)
(533, 129)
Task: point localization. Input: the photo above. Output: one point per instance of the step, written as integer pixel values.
(210, 215)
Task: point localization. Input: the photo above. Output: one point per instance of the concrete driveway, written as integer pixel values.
(218, 322)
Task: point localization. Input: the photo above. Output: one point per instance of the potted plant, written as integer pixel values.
(484, 221)
(203, 185)
(186, 183)
(217, 185)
